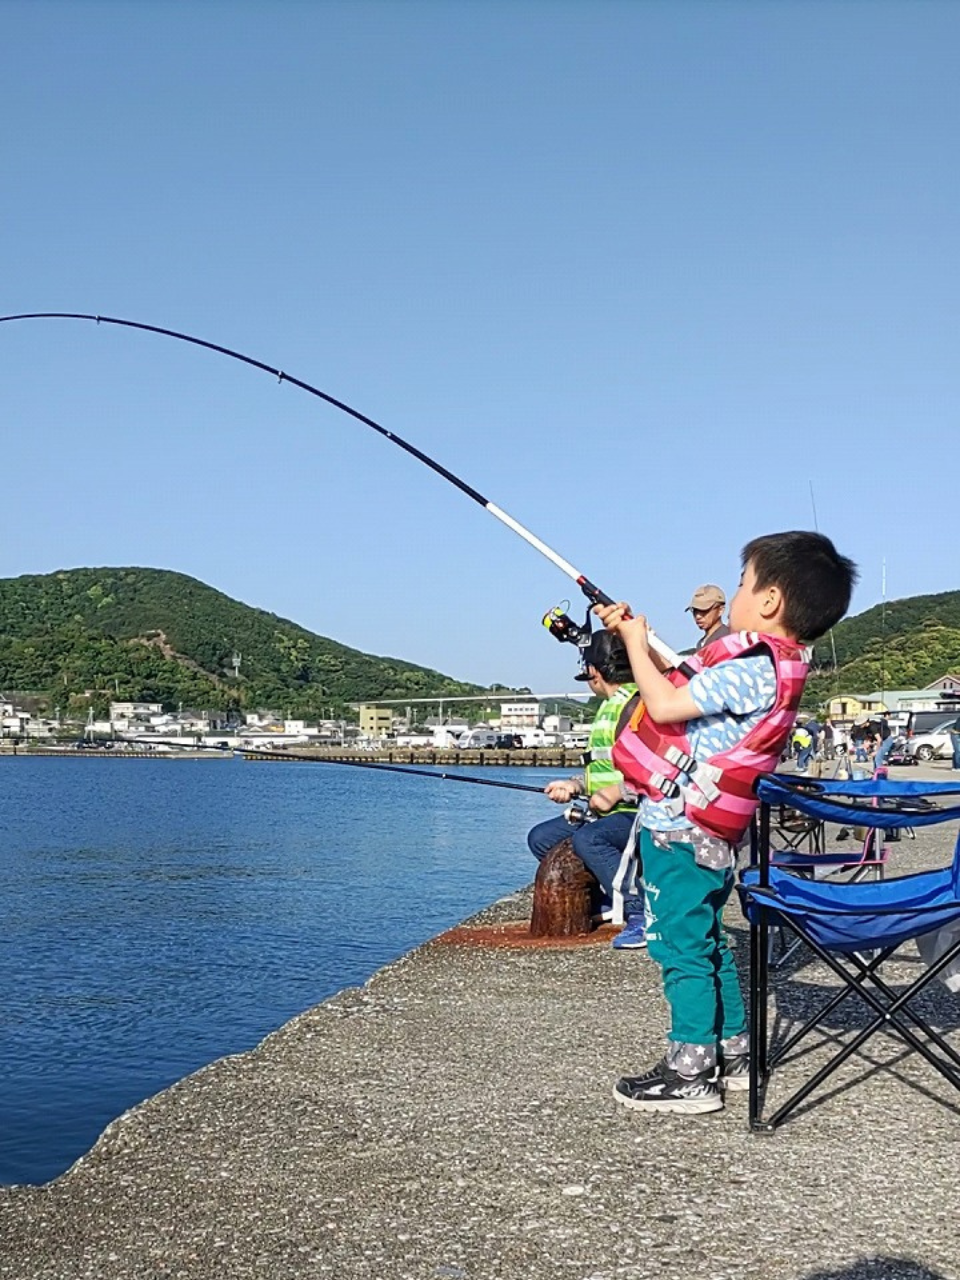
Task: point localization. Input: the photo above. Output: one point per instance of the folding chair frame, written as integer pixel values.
(870, 864)
(891, 1010)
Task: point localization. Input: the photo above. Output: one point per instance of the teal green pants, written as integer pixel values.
(685, 936)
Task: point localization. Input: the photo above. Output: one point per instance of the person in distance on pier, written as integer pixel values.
(707, 607)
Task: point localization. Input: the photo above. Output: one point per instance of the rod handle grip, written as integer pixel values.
(596, 596)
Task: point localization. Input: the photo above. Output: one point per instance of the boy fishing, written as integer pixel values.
(693, 752)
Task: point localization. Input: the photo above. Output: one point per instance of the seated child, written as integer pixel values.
(600, 845)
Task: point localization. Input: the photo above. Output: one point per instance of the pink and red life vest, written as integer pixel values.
(717, 793)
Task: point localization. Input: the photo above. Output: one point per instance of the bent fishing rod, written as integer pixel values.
(589, 589)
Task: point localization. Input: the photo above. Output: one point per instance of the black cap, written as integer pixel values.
(607, 654)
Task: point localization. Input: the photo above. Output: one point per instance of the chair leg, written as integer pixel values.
(759, 981)
(888, 1014)
(915, 1018)
(826, 1070)
(778, 934)
(853, 982)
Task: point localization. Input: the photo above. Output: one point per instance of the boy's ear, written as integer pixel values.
(771, 602)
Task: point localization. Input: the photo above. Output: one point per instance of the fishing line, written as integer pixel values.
(833, 639)
(257, 752)
(396, 768)
(589, 589)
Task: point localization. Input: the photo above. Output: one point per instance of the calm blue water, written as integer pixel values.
(155, 915)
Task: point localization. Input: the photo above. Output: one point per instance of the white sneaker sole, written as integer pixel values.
(675, 1106)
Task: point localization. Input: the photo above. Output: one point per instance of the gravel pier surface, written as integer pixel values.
(453, 1120)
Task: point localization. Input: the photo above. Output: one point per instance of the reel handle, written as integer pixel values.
(596, 596)
(578, 812)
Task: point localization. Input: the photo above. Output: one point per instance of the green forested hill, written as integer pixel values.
(84, 636)
(905, 644)
(163, 637)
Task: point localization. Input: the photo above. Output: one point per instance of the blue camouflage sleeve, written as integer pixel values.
(740, 686)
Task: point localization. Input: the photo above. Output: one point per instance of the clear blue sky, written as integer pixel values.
(641, 273)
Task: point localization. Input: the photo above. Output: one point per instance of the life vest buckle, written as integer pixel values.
(666, 786)
(680, 759)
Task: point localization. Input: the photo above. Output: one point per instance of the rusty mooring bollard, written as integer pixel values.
(561, 895)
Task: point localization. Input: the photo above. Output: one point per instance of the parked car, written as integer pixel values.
(921, 722)
(509, 741)
(474, 738)
(933, 745)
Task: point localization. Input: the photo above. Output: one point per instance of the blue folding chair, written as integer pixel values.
(799, 845)
(852, 926)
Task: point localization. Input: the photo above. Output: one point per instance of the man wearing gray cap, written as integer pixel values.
(707, 608)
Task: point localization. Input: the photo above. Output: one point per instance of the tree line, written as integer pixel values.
(84, 637)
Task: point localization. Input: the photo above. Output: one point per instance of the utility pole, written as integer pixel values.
(883, 630)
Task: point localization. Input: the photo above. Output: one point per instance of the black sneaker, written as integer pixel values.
(655, 1075)
(666, 1090)
(735, 1073)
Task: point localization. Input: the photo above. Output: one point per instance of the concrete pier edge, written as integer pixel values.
(453, 1118)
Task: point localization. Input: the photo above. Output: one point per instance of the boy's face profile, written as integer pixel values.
(753, 609)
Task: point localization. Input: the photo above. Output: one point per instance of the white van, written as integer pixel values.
(477, 738)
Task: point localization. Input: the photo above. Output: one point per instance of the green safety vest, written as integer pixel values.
(599, 771)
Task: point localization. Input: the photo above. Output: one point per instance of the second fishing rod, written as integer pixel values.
(263, 753)
(576, 812)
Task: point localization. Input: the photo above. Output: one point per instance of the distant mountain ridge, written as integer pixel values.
(903, 644)
(81, 637)
(159, 636)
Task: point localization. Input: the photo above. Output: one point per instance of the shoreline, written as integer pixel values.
(533, 757)
(452, 1118)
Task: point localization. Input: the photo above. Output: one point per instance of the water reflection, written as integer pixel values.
(155, 915)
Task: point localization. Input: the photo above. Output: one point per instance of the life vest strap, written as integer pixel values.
(704, 778)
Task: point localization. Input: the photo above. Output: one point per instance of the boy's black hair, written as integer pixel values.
(815, 579)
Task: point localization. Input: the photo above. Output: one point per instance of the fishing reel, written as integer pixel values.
(578, 812)
(562, 627)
